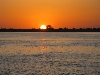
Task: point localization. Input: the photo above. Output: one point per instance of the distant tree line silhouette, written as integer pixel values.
(51, 29)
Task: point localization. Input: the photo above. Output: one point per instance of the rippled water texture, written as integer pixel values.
(50, 53)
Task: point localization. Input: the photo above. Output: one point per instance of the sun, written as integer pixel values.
(43, 27)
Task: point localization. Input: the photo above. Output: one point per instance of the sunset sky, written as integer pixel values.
(58, 13)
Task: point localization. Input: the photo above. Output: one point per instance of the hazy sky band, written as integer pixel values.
(58, 13)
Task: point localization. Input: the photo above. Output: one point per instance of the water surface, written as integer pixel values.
(50, 53)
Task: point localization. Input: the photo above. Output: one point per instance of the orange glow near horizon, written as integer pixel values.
(57, 13)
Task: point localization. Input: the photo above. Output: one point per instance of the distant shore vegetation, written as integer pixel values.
(49, 28)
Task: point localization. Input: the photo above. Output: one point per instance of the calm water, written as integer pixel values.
(50, 53)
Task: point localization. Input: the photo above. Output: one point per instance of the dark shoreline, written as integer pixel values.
(52, 30)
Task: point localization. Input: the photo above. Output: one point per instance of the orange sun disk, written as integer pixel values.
(43, 27)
